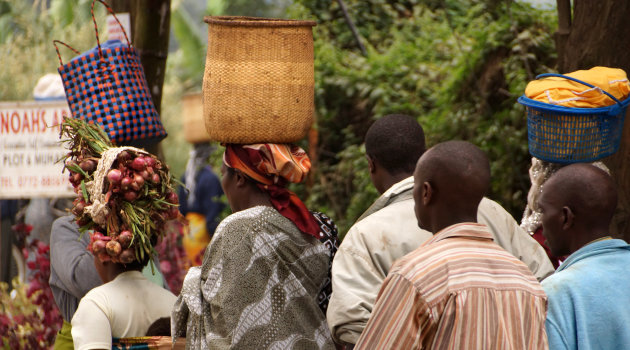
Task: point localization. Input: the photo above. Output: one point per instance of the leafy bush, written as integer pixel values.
(26, 35)
(457, 66)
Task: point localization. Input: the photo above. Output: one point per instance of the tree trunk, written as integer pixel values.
(152, 23)
(599, 36)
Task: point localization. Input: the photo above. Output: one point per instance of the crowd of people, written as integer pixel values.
(432, 264)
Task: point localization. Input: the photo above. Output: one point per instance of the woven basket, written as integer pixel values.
(568, 135)
(258, 84)
(194, 125)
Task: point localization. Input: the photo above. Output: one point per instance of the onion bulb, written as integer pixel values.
(113, 248)
(130, 196)
(139, 164)
(114, 176)
(127, 256)
(88, 165)
(125, 238)
(99, 246)
(125, 183)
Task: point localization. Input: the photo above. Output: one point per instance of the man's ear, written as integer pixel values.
(427, 194)
(371, 164)
(568, 218)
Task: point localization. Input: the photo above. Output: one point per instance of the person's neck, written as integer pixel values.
(114, 270)
(390, 180)
(451, 219)
(256, 199)
(582, 240)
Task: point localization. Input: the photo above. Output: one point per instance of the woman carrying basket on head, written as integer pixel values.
(260, 284)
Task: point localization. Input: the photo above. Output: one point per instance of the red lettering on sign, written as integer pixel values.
(5, 182)
(35, 122)
(4, 123)
(15, 122)
(25, 124)
(55, 121)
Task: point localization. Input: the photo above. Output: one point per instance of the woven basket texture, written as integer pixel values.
(258, 83)
(194, 124)
(568, 135)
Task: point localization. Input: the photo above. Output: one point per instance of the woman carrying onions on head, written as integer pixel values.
(265, 275)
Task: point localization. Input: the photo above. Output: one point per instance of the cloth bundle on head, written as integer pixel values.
(272, 166)
(563, 92)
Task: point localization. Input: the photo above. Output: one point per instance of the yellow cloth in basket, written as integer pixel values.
(564, 92)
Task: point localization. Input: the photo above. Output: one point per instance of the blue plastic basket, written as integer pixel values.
(573, 135)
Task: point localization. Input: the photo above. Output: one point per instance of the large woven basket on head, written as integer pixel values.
(194, 125)
(258, 84)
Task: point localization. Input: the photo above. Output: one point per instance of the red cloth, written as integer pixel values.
(271, 166)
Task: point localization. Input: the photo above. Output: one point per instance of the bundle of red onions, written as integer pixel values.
(124, 194)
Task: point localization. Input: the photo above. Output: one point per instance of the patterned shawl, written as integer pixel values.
(257, 288)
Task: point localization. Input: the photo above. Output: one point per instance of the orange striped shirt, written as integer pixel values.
(459, 290)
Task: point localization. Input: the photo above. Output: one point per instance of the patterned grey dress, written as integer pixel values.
(257, 287)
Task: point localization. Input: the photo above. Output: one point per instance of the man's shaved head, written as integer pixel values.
(458, 174)
(587, 189)
(584, 193)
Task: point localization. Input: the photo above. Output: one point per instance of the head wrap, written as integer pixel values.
(271, 166)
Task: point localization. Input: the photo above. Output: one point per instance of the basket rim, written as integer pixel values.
(528, 102)
(558, 160)
(246, 21)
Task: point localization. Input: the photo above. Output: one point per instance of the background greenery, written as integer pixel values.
(457, 66)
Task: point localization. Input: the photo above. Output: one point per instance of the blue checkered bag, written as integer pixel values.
(107, 85)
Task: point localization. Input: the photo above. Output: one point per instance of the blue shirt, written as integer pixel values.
(589, 298)
(208, 194)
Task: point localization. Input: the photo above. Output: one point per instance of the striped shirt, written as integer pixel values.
(459, 290)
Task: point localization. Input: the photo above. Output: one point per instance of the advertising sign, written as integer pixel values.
(30, 150)
(114, 31)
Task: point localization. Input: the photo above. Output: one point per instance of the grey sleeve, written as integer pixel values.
(511, 237)
(69, 257)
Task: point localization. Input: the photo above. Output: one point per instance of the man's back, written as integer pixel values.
(459, 290)
(589, 298)
(375, 242)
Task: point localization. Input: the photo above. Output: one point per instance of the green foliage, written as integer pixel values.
(26, 35)
(457, 66)
(216, 7)
(261, 8)
(188, 61)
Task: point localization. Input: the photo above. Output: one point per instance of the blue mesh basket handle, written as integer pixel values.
(614, 110)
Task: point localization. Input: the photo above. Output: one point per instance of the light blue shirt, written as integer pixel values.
(589, 298)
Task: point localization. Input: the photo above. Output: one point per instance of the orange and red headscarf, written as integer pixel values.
(272, 166)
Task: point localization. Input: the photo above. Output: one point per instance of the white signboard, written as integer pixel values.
(30, 150)
(113, 28)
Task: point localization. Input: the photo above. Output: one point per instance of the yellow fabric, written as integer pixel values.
(564, 92)
(63, 341)
(268, 162)
(196, 238)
